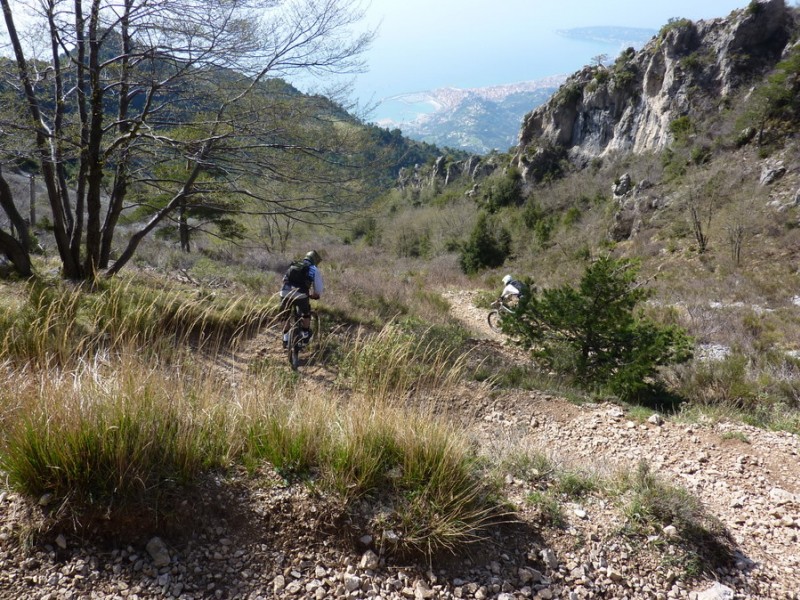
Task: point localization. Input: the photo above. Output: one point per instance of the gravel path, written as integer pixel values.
(258, 537)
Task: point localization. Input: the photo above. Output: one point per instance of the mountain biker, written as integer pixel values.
(301, 283)
(513, 290)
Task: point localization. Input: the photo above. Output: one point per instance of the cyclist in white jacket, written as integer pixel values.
(512, 291)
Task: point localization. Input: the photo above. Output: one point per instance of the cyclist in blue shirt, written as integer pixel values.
(301, 283)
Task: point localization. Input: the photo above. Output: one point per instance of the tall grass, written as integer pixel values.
(59, 323)
(421, 470)
(102, 435)
(112, 435)
(391, 363)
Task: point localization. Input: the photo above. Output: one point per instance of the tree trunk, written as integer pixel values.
(18, 256)
(183, 227)
(71, 268)
(17, 222)
(32, 206)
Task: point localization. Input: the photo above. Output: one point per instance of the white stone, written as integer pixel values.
(352, 583)
(370, 560)
(716, 592)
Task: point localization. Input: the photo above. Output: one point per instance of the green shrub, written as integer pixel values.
(754, 7)
(568, 94)
(700, 155)
(549, 508)
(673, 23)
(537, 220)
(488, 246)
(653, 505)
(721, 382)
(366, 228)
(505, 190)
(601, 75)
(593, 331)
(413, 244)
(681, 128)
(572, 216)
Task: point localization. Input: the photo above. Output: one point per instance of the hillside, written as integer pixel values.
(155, 441)
(259, 535)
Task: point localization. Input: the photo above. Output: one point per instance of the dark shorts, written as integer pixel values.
(300, 299)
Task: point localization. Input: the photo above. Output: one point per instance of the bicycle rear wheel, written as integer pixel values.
(295, 339)
(495, 321)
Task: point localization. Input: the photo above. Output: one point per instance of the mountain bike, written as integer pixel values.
(495, 316)
(297, 342)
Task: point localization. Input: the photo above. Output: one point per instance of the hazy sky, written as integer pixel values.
(427, 44)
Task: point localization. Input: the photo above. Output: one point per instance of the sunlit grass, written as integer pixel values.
(119, 432)
(60, 323)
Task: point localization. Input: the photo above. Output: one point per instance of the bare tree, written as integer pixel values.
(744, 218)
(129, 86)
(703, 202)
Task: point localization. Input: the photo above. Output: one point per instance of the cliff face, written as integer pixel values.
(688, 69)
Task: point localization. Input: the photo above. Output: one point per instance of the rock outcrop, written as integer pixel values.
(474, 167)
(687, 70)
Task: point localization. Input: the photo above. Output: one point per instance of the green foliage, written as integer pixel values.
(782, 90)
(488, 246)
(572, 216)
(625, 71)
(549, 508)
(568, 94)
(63, 324)
(601, 75)
(113, 444)
(653, 505)
(700, 155)
(674, 162)
(754, 7)
(575, 484)
(535, 218)
(593, 331)
(412, 243)
(399, 359)
(545, 161)
(503, 190)
(681, 128)
(672, 24)
(722, 382)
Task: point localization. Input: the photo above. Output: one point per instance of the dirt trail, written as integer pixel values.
(257, 536)
(747, 477)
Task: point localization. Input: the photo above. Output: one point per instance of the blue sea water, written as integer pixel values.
(551, 53)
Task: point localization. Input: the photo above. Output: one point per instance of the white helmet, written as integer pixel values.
(506, 279)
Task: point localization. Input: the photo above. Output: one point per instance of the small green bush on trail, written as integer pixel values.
(594, 332)
(651, 505)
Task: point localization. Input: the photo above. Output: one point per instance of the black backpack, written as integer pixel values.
(522, 287)
(297, 275)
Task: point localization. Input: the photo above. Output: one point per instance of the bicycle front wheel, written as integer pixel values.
(495, 321)
(315, 331)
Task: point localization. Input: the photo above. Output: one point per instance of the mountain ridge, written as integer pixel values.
(690, 70)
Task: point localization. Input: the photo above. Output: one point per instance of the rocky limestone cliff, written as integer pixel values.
(688, 69)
